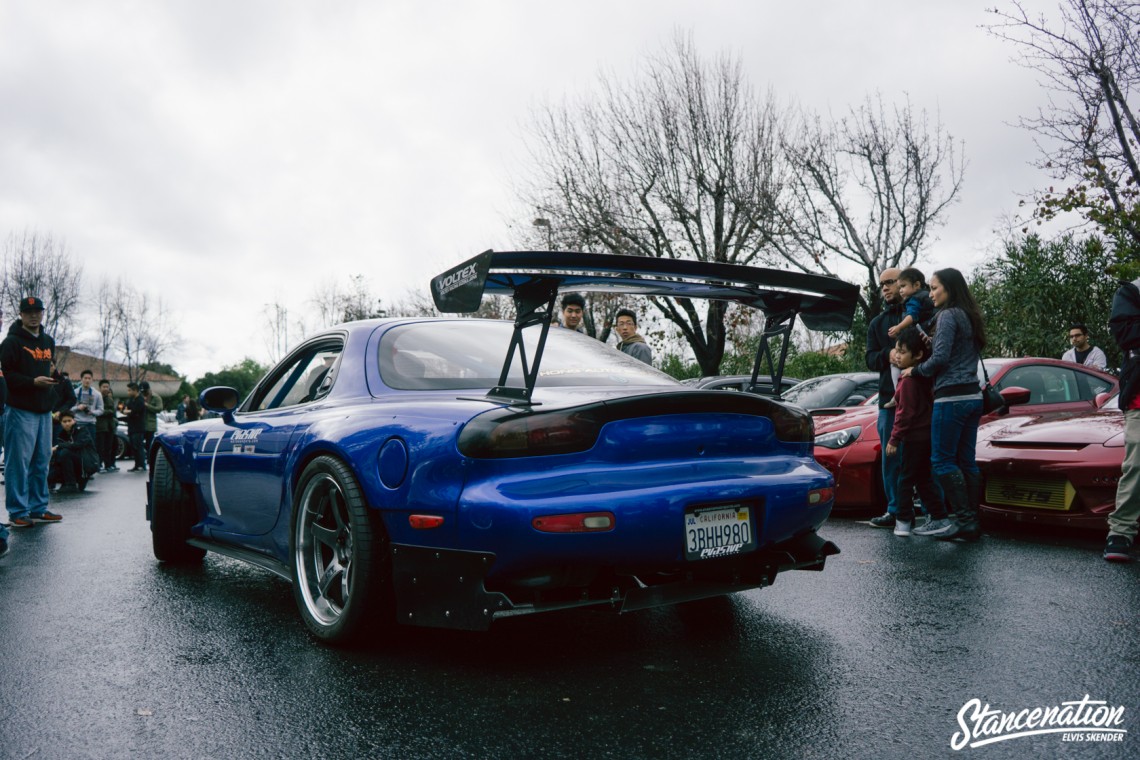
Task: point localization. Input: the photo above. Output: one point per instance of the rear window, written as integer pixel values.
(469, 354)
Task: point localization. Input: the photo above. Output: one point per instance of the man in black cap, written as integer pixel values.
(26, 357)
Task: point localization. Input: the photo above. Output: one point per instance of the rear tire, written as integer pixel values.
(341, 575)
(172, 515)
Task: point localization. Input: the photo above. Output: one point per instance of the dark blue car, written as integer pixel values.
(450, 472)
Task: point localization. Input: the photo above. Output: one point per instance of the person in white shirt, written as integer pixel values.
(88, 403)
(1084, 352)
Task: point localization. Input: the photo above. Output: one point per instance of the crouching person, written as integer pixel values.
(73, 456)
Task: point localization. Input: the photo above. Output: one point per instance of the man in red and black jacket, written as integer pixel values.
(909, 443)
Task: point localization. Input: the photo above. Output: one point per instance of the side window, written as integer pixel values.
(1092, 386)
(305, 377)
(1046, 384)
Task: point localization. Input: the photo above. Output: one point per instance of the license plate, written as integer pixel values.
(720, 531)
(1034, 493)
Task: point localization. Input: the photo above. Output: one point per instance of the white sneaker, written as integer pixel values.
(902, 528)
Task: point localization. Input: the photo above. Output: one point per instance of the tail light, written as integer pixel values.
(530, 435)
(821, 496)
(580, 522)
(507, 432)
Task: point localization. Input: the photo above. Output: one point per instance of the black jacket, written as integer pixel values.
(879, 346)
(1124, 323)
(79, 441)
(136, 415)
(24, 357)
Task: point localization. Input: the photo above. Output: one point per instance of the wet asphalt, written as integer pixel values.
(107, 653)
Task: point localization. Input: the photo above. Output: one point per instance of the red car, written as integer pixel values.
(847, 442)
(1053, 470)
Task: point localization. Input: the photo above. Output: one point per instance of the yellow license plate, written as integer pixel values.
(1034, 493)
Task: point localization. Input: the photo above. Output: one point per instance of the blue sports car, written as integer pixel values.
(451, 472)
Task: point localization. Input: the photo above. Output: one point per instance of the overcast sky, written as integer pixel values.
(231, 154)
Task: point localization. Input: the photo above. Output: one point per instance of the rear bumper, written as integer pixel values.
(445, 588)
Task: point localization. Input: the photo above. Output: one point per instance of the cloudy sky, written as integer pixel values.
(226, 155)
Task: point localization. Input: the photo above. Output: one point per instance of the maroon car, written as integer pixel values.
(847, 443)
(1053, 470)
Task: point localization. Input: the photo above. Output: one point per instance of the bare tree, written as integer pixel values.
(145, 332)
(361, 302)
(867, 188)
(277, 330)
(327, 301)
(681, 163)
(39, 265)
(107, 322)
(1087, 133)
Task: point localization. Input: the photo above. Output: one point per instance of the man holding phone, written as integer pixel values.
(26, 357)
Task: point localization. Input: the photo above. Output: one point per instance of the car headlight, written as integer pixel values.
(837, 439)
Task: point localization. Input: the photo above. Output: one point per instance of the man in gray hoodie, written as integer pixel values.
(632, 343)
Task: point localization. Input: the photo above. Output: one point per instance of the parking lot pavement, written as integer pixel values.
(108, 653)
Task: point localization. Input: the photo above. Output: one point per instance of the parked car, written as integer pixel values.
(847, 443)
(743, 383)
(451, 472)
(838, 391)
(1053, 469)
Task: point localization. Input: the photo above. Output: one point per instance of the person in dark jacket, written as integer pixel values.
(910, 439)
(73, 459)
(136, 426)
(26, 357)
(105, 425)
(1124, 323)
(879, 349)
(631, 341)
(3, 402)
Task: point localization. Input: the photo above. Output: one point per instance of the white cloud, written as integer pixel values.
(227, 154)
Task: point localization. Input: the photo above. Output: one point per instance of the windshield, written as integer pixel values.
(819, 393)
(469, 354)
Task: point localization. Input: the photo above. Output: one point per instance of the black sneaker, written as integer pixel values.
(1116, 549)
(883, 521)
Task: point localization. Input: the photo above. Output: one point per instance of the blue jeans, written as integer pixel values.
(954, 436)
(890, 464)
(27, 449)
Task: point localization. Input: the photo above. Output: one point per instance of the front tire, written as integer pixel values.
(172, 515)
(339, 551)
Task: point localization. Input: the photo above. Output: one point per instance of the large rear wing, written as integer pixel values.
(533, 279)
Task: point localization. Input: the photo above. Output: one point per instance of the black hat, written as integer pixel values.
(31, 303)
(144, 386)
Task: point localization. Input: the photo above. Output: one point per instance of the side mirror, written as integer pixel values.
(221, 400)
(854, 400)
(1015, 395)
(1102, 398)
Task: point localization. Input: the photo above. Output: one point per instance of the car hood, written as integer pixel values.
(859, 415)
(1061, 430)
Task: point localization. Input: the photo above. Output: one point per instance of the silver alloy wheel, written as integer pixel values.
(324, 549)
